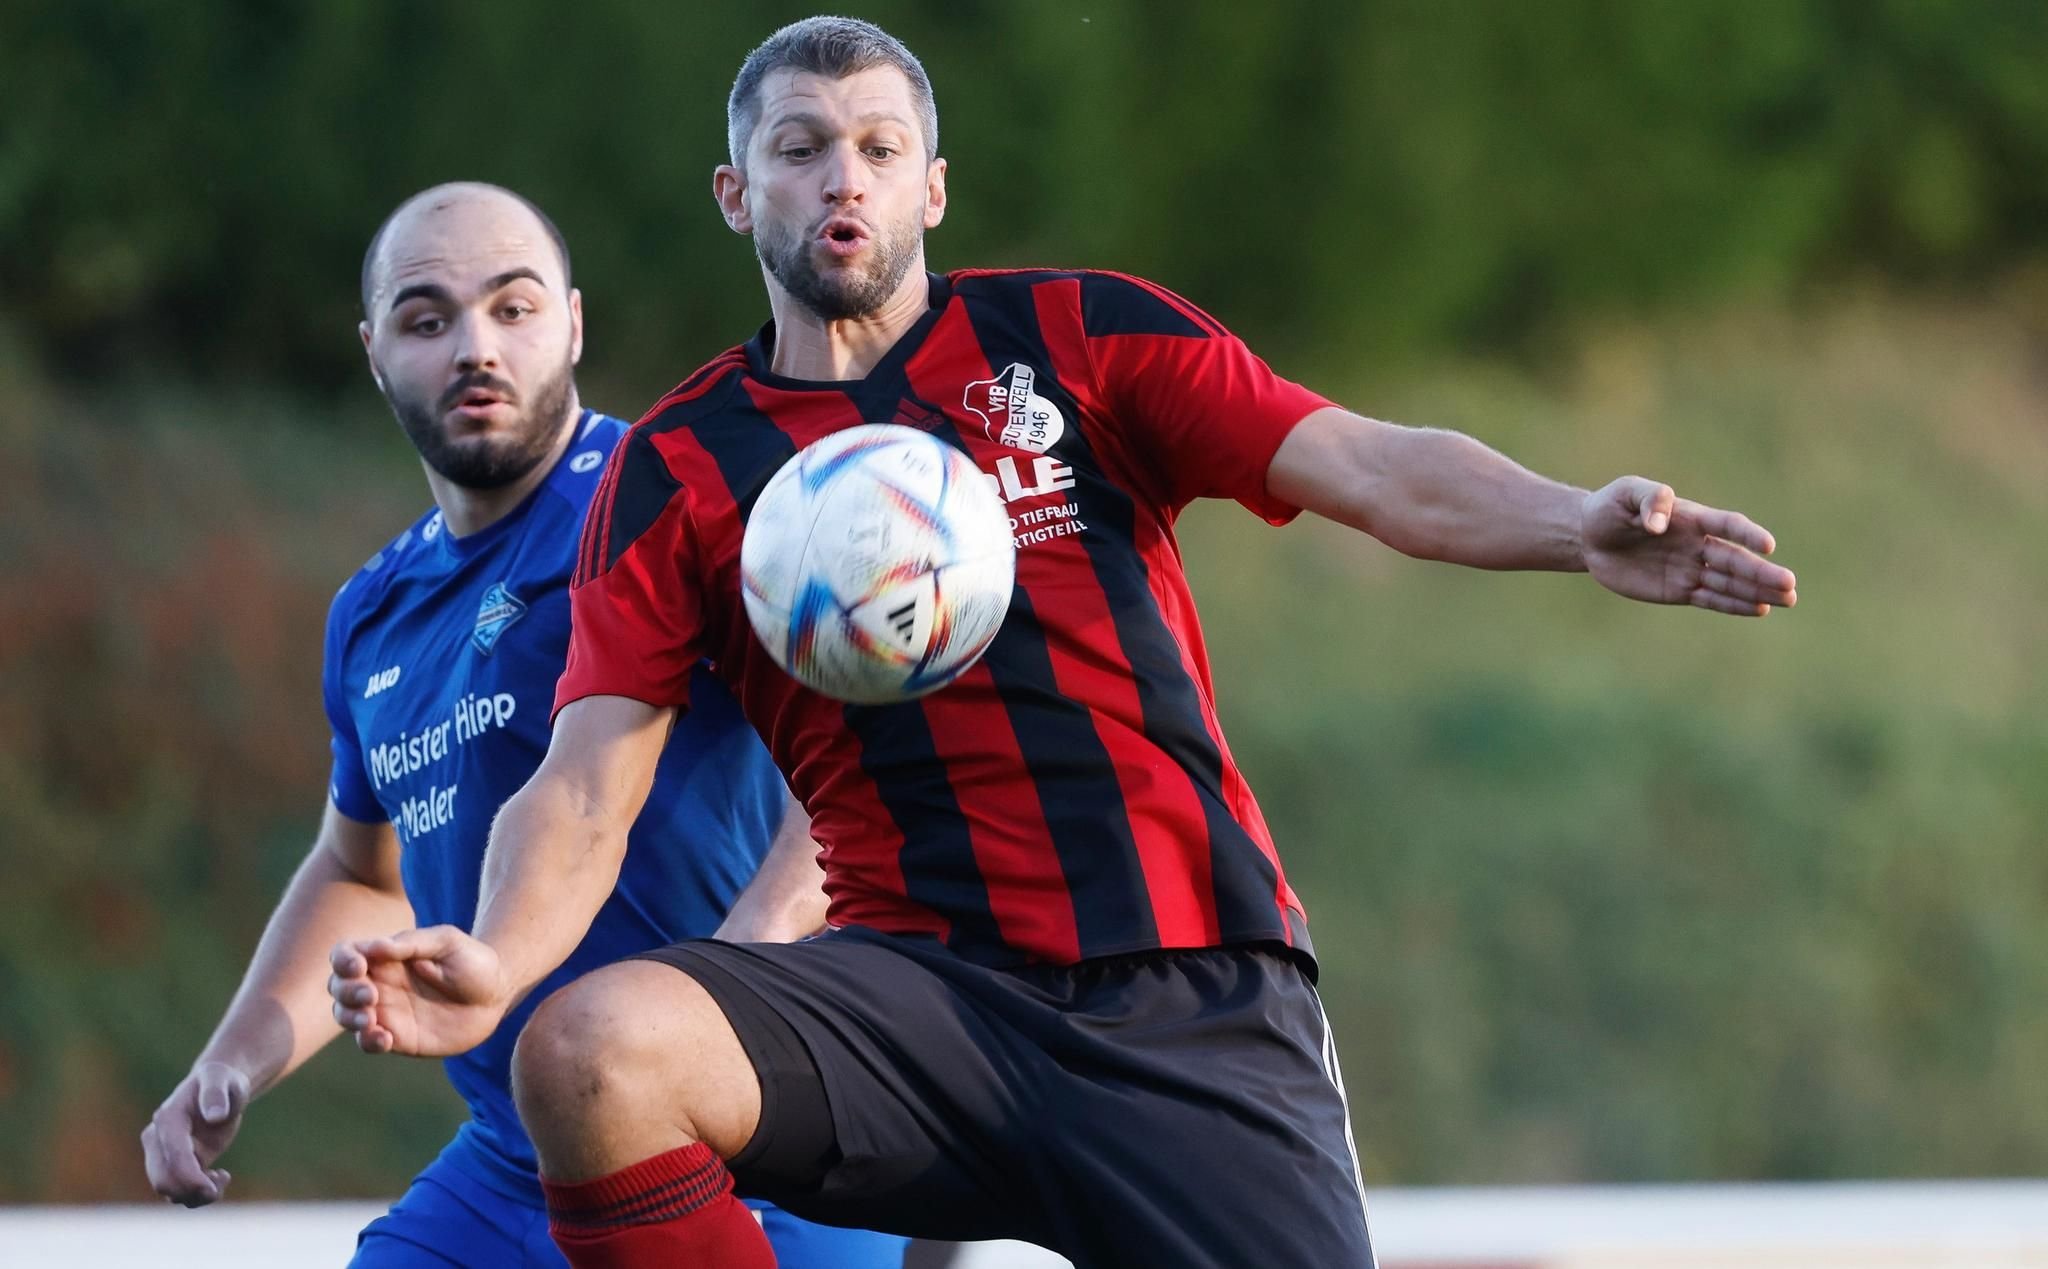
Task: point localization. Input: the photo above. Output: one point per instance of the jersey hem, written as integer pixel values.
(990, 956)
(584, 693)
(478, 1160)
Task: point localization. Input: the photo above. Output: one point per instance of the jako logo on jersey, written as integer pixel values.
(500, 609)
(1012, 414)
(583, 462)
(381, 680)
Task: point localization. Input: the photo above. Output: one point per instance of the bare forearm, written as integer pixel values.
(1431, 494)
(556, 848)
(786, 898)
(281, 1015)
(1449, 497)
(553, 859)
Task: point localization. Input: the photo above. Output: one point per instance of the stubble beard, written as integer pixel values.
(840, 294)
(487, 462)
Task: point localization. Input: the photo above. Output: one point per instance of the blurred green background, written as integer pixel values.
(1603, 892)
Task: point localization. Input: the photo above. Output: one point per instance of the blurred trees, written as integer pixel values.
(194, 184)
(1602, 892)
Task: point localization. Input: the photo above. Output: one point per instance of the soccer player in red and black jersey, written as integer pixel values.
(1067, 996)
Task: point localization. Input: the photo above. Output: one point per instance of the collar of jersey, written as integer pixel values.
(761, 348)
(464, 547)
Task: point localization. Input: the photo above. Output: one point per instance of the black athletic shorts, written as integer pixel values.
(1178, 1109)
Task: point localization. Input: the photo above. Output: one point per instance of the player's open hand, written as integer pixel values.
(1645, 542)
(192, 1129)
(430, 993)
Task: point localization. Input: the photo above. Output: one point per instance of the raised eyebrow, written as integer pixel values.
(422, 291)
(816, 122)
(441, 295)
(509, 276)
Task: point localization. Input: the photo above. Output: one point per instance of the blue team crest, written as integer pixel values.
(499, 610)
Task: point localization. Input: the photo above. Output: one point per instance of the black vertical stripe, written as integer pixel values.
(1111, 305)
(1076, 785)
(939, 869)
(653, 484)
(1069, 766)
(641, 490)
(743, 441)
(1245, 882)
(898, 753)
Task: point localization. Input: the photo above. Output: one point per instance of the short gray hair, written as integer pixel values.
(835, 48)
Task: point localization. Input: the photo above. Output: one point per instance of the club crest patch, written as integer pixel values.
(498, 611)
(1012, 413)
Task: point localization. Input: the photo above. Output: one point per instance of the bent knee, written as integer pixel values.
(634, 1040)
(591, 1037)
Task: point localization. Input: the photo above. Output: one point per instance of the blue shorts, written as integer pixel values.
(449, 1218)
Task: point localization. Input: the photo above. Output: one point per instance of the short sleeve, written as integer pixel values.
(1206, 413)
(348, 784)
(636, 603)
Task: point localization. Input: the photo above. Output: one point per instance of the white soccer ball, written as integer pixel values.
(877, 564)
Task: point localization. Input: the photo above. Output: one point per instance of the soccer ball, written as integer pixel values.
(877, 565)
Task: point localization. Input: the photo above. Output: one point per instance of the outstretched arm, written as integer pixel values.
(348, 885)
(554, 856)
(1444, 496)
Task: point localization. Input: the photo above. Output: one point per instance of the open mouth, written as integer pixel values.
(842, 237)
(477, 402)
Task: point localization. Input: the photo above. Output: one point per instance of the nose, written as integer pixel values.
(846, 175)
(476, 344)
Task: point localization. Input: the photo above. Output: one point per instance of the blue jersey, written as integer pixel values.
(441, 660)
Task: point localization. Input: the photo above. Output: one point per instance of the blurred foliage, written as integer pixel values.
(196, 183)
(165, 566)
(1613, 892)
(1602, 891)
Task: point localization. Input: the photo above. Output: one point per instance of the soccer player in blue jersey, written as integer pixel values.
(441, 660)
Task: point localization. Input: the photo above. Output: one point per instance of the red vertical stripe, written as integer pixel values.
(1169, 590)
(1059, 311)
(1167, 823)
(820, 756)
(1027, 892)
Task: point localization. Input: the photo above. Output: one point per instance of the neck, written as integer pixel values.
(809, 347)
(465, 510)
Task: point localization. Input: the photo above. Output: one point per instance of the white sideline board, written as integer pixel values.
(1850, 1225)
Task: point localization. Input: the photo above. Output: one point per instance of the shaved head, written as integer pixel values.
(455, 196)
(473, 331)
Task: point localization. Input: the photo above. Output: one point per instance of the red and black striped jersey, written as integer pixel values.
(1071, 795)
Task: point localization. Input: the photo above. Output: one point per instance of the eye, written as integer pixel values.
(798, 153)
(881, 152)
(428, 324)
(515, 310)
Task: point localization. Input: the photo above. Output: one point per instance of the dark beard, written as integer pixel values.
(487, 462)
(843, 293)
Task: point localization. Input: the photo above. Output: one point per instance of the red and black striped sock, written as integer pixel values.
(673, 1209)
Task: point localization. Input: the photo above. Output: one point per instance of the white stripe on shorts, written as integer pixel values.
(1335, 1072)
